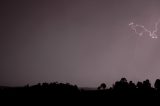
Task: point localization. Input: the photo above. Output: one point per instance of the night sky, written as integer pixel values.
(83, 42)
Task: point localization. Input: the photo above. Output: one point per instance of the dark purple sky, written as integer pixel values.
(83, 42)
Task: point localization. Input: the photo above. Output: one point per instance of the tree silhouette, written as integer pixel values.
(102, 86)
(139, 85)
(157, 84)
(123, 80)
(132, 85)
(146, 84)
(121, 88)
(122, 84)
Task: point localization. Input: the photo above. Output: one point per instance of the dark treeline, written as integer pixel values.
(122, 88)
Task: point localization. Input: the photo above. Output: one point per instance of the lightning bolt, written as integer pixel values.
(140, 29)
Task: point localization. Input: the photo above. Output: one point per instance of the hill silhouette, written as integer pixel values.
(121, 90)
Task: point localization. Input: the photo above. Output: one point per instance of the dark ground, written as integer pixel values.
(122, 92)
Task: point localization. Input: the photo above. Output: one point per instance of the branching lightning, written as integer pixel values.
(140, 29)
